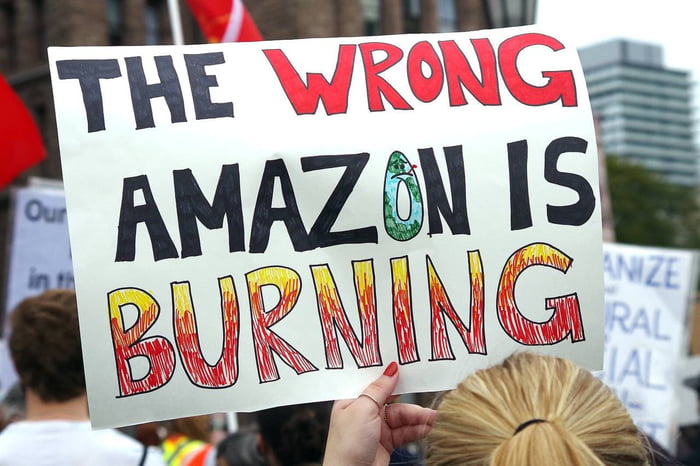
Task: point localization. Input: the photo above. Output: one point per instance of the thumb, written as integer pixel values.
(381, 389)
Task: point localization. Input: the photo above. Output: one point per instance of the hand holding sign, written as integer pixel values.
(366, 430)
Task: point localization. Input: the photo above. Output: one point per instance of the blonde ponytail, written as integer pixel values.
(532, 411)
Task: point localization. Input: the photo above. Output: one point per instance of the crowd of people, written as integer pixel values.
(528, 411)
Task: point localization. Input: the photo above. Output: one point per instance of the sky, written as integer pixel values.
(674, 24)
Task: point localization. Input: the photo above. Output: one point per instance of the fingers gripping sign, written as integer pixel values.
(366, 430)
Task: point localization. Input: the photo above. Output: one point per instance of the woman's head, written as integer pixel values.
(583, 422)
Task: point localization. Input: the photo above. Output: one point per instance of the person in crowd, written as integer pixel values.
(187, 442)
(240, 449)
(45, 347)
(528, 411)
(150, 434)
(13, 407)
(294, 435)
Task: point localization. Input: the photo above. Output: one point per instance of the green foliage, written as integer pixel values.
(650, 211)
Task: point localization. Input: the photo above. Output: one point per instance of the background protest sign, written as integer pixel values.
(40, 256)
(271, 223)
(647, 295)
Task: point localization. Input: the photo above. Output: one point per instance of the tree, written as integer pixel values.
(648, 210)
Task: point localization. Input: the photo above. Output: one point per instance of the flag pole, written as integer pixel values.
(232, 422)
(175, 22)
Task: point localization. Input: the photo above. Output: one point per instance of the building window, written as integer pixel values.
(411, 16)
(40, 115)
(39, 16)
(154, 22)
(371, 17)
(115, 18)
(447, 16)
(8, 36)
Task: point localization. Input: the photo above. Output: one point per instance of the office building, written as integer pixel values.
(643, 108)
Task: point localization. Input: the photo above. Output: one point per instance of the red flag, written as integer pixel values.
(20, 142)
(225, 20)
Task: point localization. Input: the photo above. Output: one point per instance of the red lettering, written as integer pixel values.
(224, 372)
(377, 86)
(288, 284)
(461, 75)
(305, 97)
(425, 88)
(560, 84)
(474, 337)
(403, 311)
(128, 343)
(333, 316)
(426, 72)
(566, 319)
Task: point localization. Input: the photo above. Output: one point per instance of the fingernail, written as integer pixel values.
(391, 369)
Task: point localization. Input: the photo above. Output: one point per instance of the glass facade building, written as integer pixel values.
(643, 108)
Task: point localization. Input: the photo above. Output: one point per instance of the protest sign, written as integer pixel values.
(271, 223)
(39, 255)
(647, 295)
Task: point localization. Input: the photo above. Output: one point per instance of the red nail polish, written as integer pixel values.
(391, 369)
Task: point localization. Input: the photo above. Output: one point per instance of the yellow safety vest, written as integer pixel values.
(177, 447)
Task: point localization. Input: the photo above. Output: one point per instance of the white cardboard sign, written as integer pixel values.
(40, 256)
(647, 294)
(269, 223)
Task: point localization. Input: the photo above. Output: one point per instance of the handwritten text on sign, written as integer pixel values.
(647, 295)
(425, 199)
